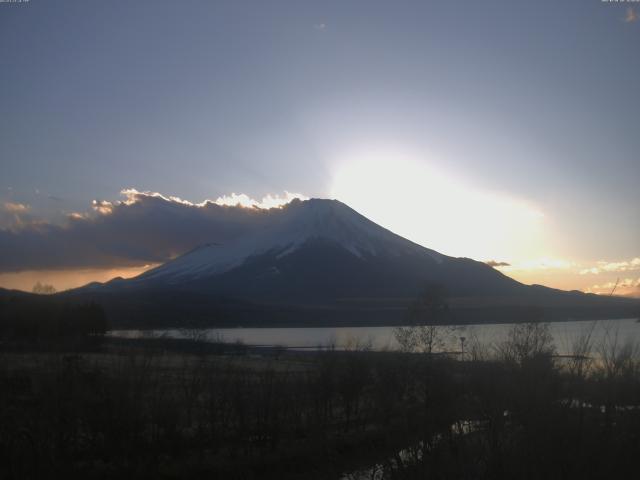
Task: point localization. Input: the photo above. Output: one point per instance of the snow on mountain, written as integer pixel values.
(320, 261)
(290, 228)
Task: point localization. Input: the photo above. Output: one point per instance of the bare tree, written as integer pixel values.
(426, 333)
(580, 361)
(477, 350)
(616, 354)
(526, 341)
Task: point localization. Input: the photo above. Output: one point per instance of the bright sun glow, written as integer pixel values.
(405, 194)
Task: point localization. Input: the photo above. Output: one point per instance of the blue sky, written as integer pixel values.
(532, 102)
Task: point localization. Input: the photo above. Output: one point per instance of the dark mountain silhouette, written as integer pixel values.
(319, 261)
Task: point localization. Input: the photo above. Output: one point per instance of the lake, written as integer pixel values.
(381, 338)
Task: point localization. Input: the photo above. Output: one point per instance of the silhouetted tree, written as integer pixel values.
(425, 332)
(43, 289)
(527, 341)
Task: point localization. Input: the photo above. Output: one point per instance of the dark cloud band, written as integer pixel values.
(145, 228)
(494, 264)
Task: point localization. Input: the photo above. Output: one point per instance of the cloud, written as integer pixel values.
(320, 26)
(144, 227)
(494, 264)
(595, 268)
(632, 16)
(270, 201)
(234, 200)
(14, 215)
(102, 206)
(11, 207)
(544, 263)
(626, 286)
(622, 266)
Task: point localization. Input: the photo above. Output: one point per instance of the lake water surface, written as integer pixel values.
(380, 338)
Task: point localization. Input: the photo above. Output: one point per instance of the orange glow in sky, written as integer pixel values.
(66, 279)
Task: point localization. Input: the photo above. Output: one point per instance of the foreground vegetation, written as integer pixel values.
(160, 408)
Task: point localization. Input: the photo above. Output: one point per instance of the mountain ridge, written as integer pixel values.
(318, 255)
(298, 222)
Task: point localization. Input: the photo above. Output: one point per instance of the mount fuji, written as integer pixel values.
(315, 262)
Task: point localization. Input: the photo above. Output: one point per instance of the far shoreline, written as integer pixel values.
(336, 324)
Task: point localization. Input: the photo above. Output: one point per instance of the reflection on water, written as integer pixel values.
(409, 456)
(381, 338)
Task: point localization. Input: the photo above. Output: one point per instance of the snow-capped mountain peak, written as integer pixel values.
(287, 230)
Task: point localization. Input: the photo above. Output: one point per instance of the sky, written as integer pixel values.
(503, 131)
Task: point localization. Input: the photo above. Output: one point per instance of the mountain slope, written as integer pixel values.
(322, 249)
(320, 259)
(297, 224)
